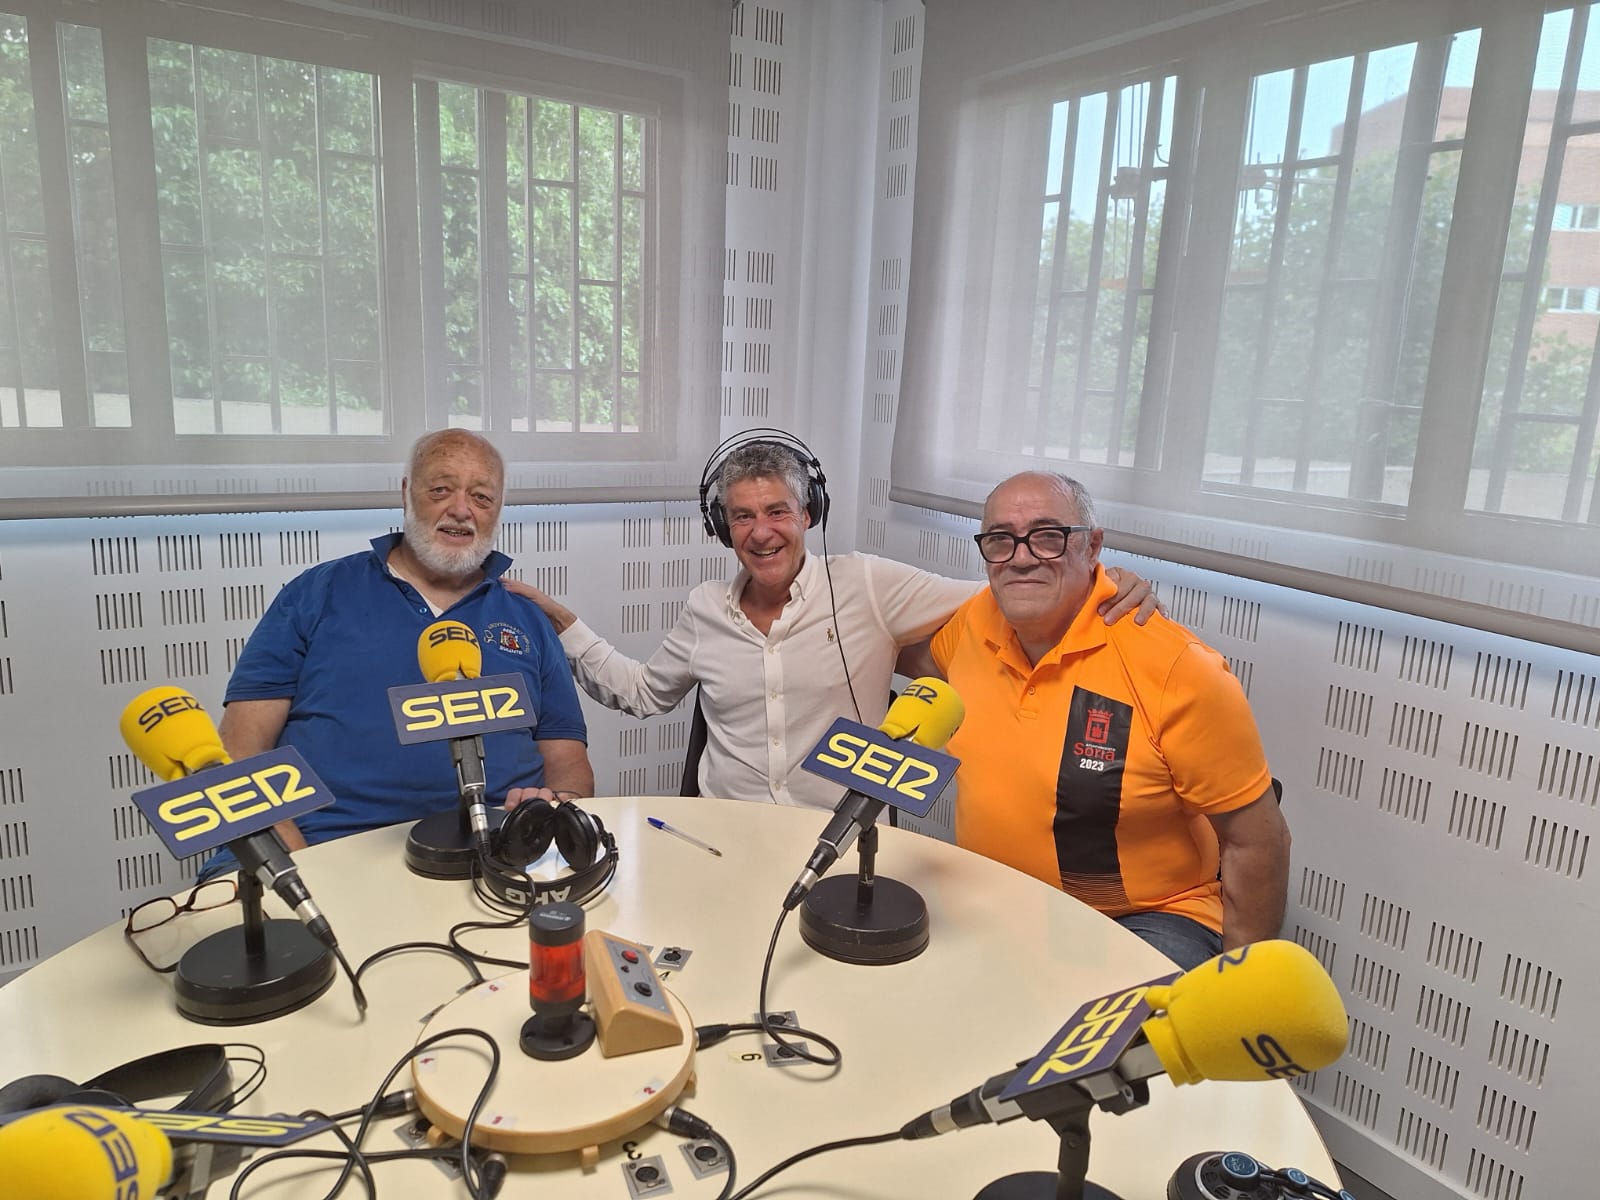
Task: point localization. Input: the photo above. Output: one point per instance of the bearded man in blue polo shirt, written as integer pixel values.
(316, 672)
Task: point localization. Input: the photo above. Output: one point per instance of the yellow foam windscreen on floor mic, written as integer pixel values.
(1265, 1011)
(449, 650)
(171, 733)
(76, 1152)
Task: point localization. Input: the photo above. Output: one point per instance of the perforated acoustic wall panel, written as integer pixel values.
(1442, 788)
(94, 612)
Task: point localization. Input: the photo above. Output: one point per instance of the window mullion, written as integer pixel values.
(1272, 285)
(1398, 267)
(1063, 241)
(494, 281)
(1474, 258)
(50, 130)
(1538, 254)
(128, 108)
(430, 208)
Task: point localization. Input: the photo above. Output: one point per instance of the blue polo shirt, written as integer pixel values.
(341, 634)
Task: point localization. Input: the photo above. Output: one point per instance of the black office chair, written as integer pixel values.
(691, 755)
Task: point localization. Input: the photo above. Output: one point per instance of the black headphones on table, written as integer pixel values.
(581, 839)
(200, 1074)
(712, 510)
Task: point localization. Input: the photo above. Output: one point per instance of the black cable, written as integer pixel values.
(355, 1158)
(355, 984)
(833, 603)
(253, 1081)
(844, 1144)
(462, 926)
(764, 1015)
(454, 952)
(685, 1124)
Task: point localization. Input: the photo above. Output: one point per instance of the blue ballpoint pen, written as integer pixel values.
(658, 823)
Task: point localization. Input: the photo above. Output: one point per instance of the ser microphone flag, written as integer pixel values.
(897, 764)
(458, 701)
(1265, 1011)
(210, 800)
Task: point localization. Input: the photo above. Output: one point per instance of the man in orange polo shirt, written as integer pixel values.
(1119, 763)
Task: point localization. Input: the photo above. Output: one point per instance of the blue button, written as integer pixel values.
(1240, 1168)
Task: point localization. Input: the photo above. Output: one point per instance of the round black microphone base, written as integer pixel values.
(891, 928)
(440, 846)
(219, 982)
(1037, 1185)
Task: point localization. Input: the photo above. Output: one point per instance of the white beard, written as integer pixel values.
(452, 562)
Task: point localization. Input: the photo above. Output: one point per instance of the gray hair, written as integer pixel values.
(1065, 484)
(765, 460)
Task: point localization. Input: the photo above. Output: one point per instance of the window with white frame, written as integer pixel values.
(1536, 452)
(1327, 346)
(1104, 193)
(533, 213)
(255, 240)
(1584, 217)
(270, 223)
(1572, 300)
(60, 364)
(1346, 189)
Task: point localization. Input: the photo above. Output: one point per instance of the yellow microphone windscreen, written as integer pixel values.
(449, 650)
(76, 1152)
(171, 733)
(929, 711)
(1265, 1011)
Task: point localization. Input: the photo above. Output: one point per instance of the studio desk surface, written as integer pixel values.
(1009, 960)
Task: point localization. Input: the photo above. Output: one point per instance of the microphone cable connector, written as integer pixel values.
(492, 1168)
(980, 1106)
(685, 1124)
(706, 1036)
(396, 1103)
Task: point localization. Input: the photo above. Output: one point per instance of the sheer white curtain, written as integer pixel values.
(1297, 294)
(250, 249)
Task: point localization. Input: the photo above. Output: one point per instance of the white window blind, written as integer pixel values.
(1287, 290)
(250, 251)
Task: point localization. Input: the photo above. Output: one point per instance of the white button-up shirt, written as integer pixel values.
(768, 699)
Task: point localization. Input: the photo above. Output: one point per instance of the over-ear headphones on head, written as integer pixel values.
(714, 513)
(199, 1074)
(581, 840)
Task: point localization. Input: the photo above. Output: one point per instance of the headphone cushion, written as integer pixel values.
(526, 834)
(36, 1091)
(576, 836)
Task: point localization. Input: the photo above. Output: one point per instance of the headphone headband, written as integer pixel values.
(714, 514)
(198, 1073)
(526, 834)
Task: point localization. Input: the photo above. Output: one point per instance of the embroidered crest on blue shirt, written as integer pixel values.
(507, 637)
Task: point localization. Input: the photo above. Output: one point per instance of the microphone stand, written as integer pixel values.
(443, 846)
(261, 969)
(869, 920)
(1066, 1110)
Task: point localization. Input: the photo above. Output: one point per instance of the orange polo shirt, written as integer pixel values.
(1093, 769)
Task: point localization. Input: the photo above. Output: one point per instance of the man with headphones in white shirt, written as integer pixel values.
(759, 647)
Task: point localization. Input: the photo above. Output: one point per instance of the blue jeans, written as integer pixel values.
(1182, 939)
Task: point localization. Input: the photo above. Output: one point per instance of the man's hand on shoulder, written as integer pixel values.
(560, 616)
(1134, 595)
